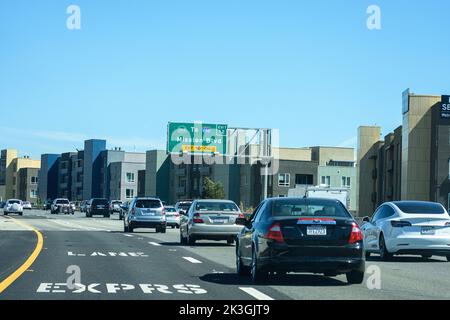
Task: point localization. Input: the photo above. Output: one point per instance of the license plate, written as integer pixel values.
(316, 230)
(428, 231)
(219, 220)
(148, 213)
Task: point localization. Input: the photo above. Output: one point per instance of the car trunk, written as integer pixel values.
(217, 217)
(426, 224)
(317, 231)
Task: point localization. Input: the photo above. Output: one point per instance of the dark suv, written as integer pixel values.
(99, 207)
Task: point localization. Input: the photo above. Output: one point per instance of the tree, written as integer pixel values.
(213, 190)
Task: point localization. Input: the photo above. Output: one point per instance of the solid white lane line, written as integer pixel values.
(127, 235)
(155, 244)
(255, 293)
(192, 260)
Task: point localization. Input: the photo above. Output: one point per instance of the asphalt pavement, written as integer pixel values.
(91, 258)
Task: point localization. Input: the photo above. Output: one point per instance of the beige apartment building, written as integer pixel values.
(411, 163)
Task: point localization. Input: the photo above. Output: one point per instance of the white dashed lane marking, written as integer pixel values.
(127, 235)
(255, 293)
(154, 244)
(192, 260)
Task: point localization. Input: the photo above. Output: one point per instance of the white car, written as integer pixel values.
(27, 205)
(13, 206)
(408, 227)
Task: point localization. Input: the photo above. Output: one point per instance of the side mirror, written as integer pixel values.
(366, 219)
(241, 221)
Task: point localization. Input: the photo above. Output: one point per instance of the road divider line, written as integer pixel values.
(155, 244)
(192, 260)
(29, 262)
(255, 293)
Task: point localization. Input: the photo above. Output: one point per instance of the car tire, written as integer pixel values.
(21, 214)
(448, 258)
(5, 213)
(230, 241)
(257, 275)
(241, 270)
(163, 230)
(385, 255)
(367, 254)
(355, 277)
(191, 240)
(130, 228)
(125, 228)
(106, 215)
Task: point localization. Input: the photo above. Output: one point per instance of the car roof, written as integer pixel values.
(147, 198)
(214, 200)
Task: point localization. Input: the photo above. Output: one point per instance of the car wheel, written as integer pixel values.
(448, 258)
(130, 228)
(240, 268)
(230, 241)
(106, 215)
(355, 277)
(384, 253)
(367, 254)
(163, 230)
(191, 240)
(125, 228)
(257, 275)
(5, 213)
(178, 227)
(21, 214)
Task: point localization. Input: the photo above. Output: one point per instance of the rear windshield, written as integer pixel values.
(116, 202)
(216, 206)
(171, 209)
(62, 201)
(100, 202)
(184, 206)
(148, 204)
(420, 207)
(14, 201)
(309, 208)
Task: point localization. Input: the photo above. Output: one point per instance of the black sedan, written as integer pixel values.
(300, 235)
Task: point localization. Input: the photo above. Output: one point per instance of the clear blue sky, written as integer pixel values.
(309, 68)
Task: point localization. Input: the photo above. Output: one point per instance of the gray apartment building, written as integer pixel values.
(244, 182)
(411, 163)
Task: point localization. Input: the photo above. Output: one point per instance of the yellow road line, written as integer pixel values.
(27, 264)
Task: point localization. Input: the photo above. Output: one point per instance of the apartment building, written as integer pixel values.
(28, 185)
(410, 163)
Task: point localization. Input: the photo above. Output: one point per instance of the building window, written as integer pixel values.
(34, 180)
(304, 179)
(284, 179)
(130, 177)
(326, 180)
(129, 193)
(33, 194)
(346, 182)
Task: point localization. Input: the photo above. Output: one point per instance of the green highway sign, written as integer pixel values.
(196, 138)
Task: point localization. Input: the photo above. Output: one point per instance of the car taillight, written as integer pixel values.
(400, 224)
(241, 215)
(275, 233)
(447, 224)
(196, 218)
(163, 212)
(356, 234)
(177, 215)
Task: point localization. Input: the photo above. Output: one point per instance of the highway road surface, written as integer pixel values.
(46, 256)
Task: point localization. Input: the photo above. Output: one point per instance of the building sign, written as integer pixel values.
(445, 107)
(196, 138)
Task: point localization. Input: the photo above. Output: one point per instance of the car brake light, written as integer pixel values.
(163, 212)
(356, 234)
(197, 219)
(275, 233)
(241, 215)
(400, 224)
